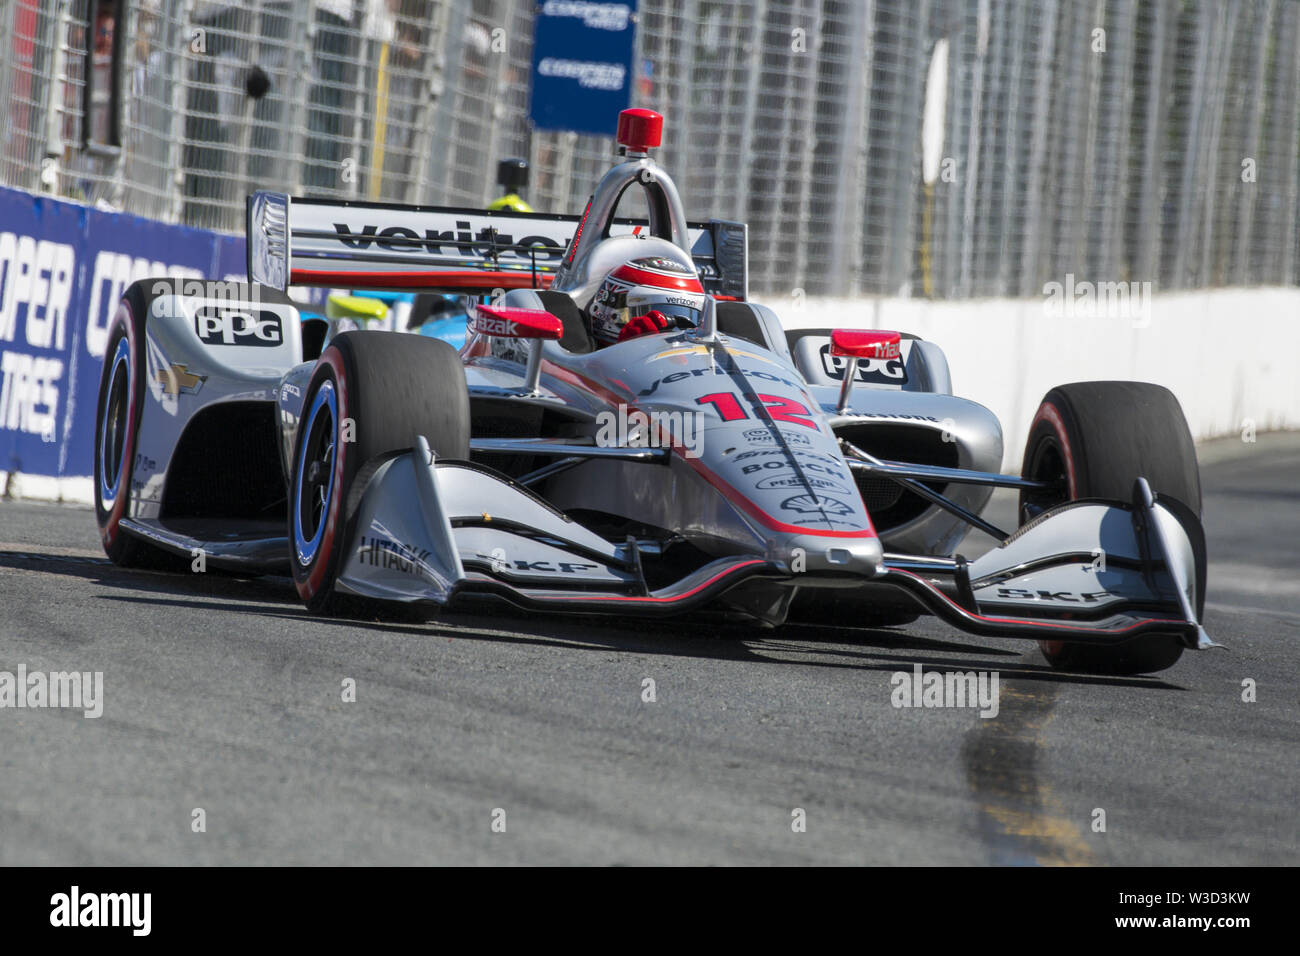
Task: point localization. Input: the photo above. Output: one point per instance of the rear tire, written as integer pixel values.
(117, 428)
(1094, 439)
(392, 387)
(120, 409)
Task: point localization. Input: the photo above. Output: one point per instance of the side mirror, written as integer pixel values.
(537, 325)
(855, 344)
(510, 323)
(865, 343)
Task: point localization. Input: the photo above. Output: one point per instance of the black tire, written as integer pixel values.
(393, 387)
(1094, 439)
(120, 408)
(117, 426)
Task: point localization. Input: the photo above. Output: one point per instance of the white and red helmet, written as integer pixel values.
(644, 285)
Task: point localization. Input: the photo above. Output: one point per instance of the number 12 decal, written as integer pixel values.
(780, 409)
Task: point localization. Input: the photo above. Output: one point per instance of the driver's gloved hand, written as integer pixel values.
(647, 324)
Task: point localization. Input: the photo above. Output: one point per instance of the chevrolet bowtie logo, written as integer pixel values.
(703, 350)
(179, 379)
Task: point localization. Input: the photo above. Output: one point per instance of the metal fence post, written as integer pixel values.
(971, 180)
(846, 212)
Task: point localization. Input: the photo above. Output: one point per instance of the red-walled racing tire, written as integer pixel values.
(1093, 440)
(381, 390)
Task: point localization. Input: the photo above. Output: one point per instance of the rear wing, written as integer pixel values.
(365, 245)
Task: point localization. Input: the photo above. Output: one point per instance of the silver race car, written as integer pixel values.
(716, 461)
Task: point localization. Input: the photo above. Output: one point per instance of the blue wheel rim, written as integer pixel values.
(112, 435)
(314, 487)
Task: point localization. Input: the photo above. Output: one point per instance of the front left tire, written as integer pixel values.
(117, 430)
(371, 394)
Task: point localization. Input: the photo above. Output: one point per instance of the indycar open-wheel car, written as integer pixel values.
(733, 463)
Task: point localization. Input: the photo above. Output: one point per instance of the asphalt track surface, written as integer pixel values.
(223, 694)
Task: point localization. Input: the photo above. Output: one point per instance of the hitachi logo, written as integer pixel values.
(383, 553)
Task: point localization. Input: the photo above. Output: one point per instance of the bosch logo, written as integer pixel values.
(226, 326)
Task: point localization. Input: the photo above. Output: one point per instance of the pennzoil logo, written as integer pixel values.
(791, 482)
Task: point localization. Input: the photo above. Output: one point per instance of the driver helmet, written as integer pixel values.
(640, 286)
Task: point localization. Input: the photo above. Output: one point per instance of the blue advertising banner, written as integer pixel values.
(582, 64)
(63, 267)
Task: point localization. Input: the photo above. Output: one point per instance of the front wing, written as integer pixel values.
(1099, 571)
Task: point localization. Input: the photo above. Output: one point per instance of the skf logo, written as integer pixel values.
(223, 325)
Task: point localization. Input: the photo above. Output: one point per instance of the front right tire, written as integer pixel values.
(1094, 440)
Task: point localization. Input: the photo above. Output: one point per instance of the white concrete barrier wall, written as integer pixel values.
(1231, 356)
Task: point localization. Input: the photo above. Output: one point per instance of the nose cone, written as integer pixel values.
(792, 478)
(820, 554)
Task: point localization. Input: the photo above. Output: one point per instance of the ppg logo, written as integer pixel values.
(222, 325)
(881, 371)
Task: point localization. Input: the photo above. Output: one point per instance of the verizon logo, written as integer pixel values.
(460, 241)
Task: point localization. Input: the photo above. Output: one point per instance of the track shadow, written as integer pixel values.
(96, 570)
(686, 638)
(706, 635)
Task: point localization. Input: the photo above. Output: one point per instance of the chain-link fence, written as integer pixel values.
(1115, 140)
